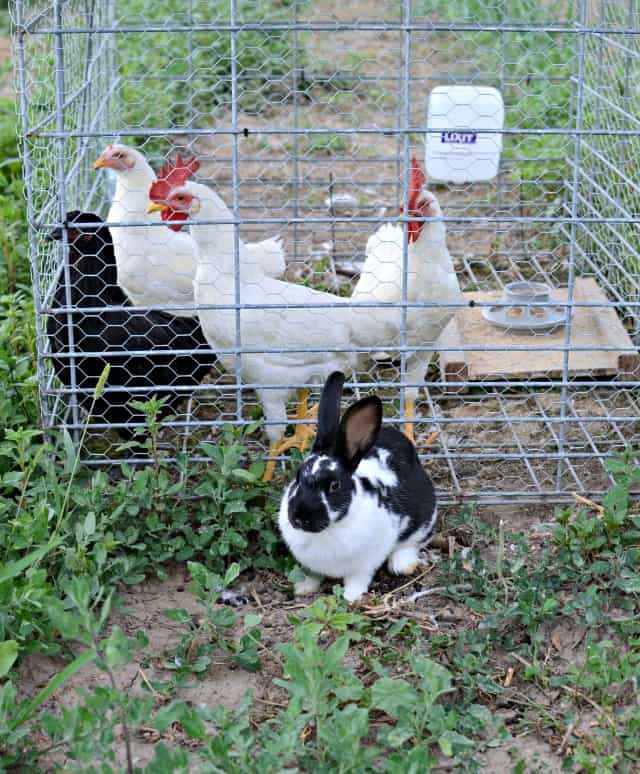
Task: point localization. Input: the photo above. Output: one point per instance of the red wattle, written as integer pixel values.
(174, 215)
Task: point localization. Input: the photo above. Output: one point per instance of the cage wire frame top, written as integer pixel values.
(304, 116)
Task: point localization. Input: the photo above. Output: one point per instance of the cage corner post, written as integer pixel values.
(573, 233)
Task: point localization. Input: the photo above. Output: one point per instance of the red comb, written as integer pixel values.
(416, 183)
(172, 175)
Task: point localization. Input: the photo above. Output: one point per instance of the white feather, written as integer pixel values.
(377, 470)
(269, 256)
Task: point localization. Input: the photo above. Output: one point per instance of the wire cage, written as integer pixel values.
(304, 116)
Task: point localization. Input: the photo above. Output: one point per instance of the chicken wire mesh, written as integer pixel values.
(304, 117)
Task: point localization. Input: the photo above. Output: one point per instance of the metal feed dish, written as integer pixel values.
(531, 308)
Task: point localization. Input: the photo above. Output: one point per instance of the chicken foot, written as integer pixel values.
(301, 438)
(409, 412)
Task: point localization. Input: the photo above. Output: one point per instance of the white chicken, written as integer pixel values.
(156, 267)
(430, 278)
(298, 326)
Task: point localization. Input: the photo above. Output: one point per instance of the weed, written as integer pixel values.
(603, 546)
(208, 634)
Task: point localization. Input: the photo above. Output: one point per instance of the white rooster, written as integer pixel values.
(299, 326)
(156, 267)
(430, 278)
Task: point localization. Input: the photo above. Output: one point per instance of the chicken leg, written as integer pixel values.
(301, 437)
(409, 413)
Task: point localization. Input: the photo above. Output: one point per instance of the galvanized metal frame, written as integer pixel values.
(595, 221)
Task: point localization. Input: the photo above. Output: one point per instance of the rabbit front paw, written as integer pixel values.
(356, 586)
(404, 561)
(308, 585)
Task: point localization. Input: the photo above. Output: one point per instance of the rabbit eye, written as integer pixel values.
(334, 486)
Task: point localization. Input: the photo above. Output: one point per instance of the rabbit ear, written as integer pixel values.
(329, 413)
(359, 431)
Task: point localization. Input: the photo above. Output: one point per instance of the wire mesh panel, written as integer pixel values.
(304, 117)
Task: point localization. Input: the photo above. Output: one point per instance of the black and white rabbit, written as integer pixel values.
(361, 497)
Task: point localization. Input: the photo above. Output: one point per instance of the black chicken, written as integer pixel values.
(93, 283)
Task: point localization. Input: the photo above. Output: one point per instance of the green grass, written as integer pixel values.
(325, 144)
(360, 687)
(5, 22)
(192, 85)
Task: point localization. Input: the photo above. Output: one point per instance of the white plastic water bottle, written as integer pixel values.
(464, 141)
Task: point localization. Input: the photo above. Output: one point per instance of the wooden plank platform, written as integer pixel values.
(596, 326)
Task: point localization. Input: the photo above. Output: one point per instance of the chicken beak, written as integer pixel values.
(156, 207)
(100, 163)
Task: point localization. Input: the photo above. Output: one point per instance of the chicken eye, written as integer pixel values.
(334, 486)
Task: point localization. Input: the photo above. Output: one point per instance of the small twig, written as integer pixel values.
(410, 582)
(437, 590)
(509, 677)
(273, 653)
(522, 660)
(384, 606)
(585, 501)
(591, 702)
(145, 679)
(271, 703)
(566, 736)
(573, 691)
(257, 600)
(152, 732)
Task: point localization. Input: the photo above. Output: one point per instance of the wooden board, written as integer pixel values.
(591, 326)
